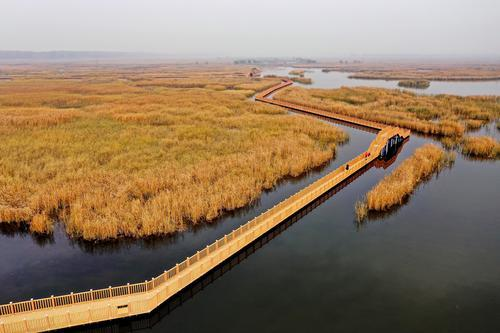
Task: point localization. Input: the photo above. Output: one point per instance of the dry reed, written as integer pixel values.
(303, 80)
(361, 210)
(417, 84)
(298, 72)
(481, 146)
(473, 124)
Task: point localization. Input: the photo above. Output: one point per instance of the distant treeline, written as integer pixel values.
(77, 55)
(274, 61)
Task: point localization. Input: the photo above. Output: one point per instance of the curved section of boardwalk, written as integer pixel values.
(263, 97)
(133, 299)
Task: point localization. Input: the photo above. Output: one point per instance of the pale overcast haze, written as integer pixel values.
(309, 28)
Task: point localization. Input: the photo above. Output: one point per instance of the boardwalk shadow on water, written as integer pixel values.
(148, 321)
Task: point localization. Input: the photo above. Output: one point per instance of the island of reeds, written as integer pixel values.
(413, 71)
(297, 72)
(396, 187)
(303, 80)
(484, 147)
(136, 151)
(415, 84)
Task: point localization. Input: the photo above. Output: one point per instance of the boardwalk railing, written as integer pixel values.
(262, 97)
(92, 306)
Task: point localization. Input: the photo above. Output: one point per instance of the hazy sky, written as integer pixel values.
(254, 28)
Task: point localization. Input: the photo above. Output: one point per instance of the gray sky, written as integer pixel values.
(254, 28)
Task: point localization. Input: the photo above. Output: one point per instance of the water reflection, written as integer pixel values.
(13, 230)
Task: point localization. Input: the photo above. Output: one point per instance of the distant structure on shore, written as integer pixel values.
(255, 72)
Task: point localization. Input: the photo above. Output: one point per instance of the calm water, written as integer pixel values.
(432, 265)
(337, 79)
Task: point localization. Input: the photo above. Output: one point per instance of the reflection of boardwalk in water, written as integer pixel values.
(134, 299)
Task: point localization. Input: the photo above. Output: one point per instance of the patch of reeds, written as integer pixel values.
(36, 116)
(416, 84)
(394, 188)
(450, 142)
(361, 210)
(473, 124)
(297, 72)
(481, 147)
(303, 80)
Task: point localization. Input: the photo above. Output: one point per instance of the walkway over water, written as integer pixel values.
(93, 306)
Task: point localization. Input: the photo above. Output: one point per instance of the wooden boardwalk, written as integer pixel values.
(57, 312)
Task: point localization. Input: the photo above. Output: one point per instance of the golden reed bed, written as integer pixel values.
(441, 115)
(132, 152)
